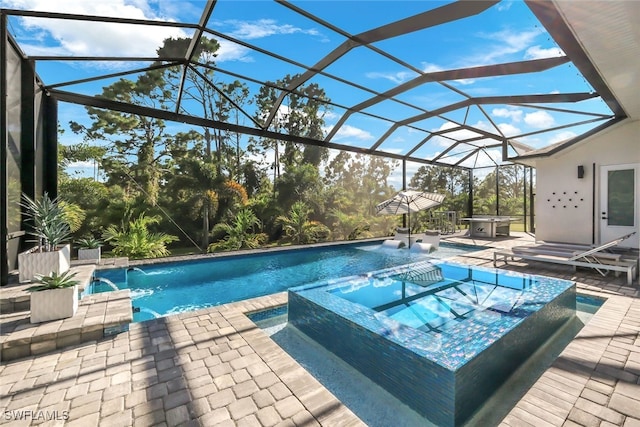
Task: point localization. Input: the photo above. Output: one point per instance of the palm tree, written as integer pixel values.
(199, 186)
(349, 226)
(299, 228)
(240, 233)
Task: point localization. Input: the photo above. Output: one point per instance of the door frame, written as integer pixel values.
(606, 232)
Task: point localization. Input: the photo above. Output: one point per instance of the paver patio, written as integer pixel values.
(215, 367)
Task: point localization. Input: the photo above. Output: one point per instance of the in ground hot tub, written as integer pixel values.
(441, 337)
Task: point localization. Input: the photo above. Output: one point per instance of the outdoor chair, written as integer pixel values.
(393, 244)
(588, 257)
(431, 237)
(400, 239)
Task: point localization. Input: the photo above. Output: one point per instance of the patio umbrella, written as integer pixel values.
(408, 201)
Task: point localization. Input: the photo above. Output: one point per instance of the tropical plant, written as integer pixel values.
(134, 240)
(48, 221)
(53, 281)
(89, 243)
(195, 185)
(299, 228)
(240, 233)
(73, 215)
(349, 227)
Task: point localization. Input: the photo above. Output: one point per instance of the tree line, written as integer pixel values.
(210, 190)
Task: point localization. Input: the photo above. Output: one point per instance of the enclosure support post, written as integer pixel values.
(524, 197)
(50, 146)
(470, 199)
(4, 265)
(497, 190)
(532, 226)
(28, 138)
(404, 187)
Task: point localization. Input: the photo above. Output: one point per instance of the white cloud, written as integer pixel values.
(450, 137)
(393, 150)
(485, 158)
(248, 30)
(562, 136)
(352, 132)
(504, 5)
(229, 51)
(508, 129)
(465, 82)
(508, 113)
(397, 78)
(428, 67)
(88, 38)
(508, 43)
(82, 165)
(539, 119)
(330, 115)
(536, 52)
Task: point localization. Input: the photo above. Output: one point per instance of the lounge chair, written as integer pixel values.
(431, 237)
(420, 247)
(595, 258)
(400, 239)
(393, 244)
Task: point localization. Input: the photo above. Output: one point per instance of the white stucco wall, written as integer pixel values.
(564, 203)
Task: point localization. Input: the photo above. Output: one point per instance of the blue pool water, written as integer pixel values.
(441, 337)
(175, 287)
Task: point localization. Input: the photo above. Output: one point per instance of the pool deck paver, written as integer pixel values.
(214, 367)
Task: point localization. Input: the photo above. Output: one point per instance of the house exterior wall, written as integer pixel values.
(564, 204)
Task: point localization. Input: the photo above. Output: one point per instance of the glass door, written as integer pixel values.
(619, 207)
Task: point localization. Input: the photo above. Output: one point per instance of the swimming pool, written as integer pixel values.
(175, 287)
(439, 336)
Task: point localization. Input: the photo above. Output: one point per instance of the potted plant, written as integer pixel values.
(51, 230)
(89, 248)
(54, 297)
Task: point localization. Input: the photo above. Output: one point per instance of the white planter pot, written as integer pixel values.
(53, 304)
(89, 254)
(32, 263)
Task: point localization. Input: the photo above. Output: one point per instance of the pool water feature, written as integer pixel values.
(439, 336)
(175, 287)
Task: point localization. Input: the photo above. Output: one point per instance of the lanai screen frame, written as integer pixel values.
(545, 12)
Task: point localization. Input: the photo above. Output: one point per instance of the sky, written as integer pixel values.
(507, 32)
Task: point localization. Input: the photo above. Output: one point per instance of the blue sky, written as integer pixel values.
(507, 32)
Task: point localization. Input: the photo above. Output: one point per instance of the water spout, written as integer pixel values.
(135, 269)
(107, 282)
(155, 314)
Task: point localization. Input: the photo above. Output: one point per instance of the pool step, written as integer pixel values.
(98, 316)
(16, 298)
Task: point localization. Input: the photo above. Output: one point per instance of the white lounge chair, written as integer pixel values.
(420, 247)
(431, 237)
(400, 239)
(595, 258)
(393, 244)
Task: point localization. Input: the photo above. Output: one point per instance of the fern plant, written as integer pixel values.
(298, 228)
(134, 240)
(240, 233)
